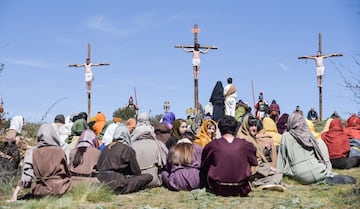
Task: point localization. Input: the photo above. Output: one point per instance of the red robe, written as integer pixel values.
(336, 140)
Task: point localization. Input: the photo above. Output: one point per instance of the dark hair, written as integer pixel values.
(79, 156)
(252, 121)
(189, 135)
(227, 125)
(229, 80)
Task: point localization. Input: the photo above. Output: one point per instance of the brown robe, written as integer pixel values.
(119, 169)
(85, 172)
(50, 171)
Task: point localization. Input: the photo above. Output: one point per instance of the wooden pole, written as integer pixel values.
(196, 95)
(320, 87)
(89, 106)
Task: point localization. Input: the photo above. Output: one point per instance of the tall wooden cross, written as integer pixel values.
(196, 50)
(88, 77)
(320, 69)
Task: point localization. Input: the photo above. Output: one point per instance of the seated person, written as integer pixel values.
(83, 159)
(338, 144)
(183, 166)
(304, 158)
(46, 163)
(312, 114)
(118, 167)
(226, 162)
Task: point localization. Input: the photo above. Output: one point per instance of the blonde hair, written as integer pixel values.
(181, 154)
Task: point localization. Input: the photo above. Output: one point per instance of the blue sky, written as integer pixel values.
(258, 41)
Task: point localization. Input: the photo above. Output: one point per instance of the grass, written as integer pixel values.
(295, 196)
(99, 197)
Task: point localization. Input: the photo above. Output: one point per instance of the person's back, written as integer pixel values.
(150, 153)
(83, 159)
(118, 167)
(226, 162)
(183, 166)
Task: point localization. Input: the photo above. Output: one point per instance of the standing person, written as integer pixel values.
(14, 134)
(230, 94)
(89, 76)
(320, 69)
(118, 167)
(46, 164)
(274, 111)
(196, 58)
(207, 133)
(261, 107)
(183, 166)
(338, 144)
(217, 100)
(304, 158)
(226, 162)
(264, 176)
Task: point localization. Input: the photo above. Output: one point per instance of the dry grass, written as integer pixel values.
(295, 196)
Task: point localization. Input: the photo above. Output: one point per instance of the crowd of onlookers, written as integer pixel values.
(228, 155)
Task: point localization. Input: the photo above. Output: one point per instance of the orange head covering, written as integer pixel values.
(131, 124)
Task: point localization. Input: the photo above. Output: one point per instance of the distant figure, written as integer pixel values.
(217, 100)
(312, 114)
(262, 107)
(196, 58)
(298, 110)
(89, 76)
(230, 94)
(335, 115)
(274, 111)
(320, 69)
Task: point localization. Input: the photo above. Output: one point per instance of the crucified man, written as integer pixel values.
(89, 76)
(320, 69)
(196, 57)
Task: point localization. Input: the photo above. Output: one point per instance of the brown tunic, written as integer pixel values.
(119, 169)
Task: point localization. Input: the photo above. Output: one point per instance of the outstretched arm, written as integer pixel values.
(77, 65)
(206, 50)
(186, 50)
(332, 55)
(306, 57)
(100, 64)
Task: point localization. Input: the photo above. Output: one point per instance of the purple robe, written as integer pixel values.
(183, 177)
(226, 167)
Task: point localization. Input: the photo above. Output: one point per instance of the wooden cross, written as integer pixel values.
(196, 50)
(320, 69)
(88, 76)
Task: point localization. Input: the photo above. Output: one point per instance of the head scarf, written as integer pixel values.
(122, 135)
(202, 138)
(312, 129)
(78, 127)
(143, 132)
(47, 135)
(282, 123)
(17, 123)
(131, 123)
(244, 133)
(217, 93)
(88, 139)
(352, 127)
(271, 129)
(336, 140)
(169, 118)
(162, 132)
(143, 118)
(175, 128)
(299, 129)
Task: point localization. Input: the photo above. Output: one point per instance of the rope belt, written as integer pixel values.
(230, 184)
(83, 174)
